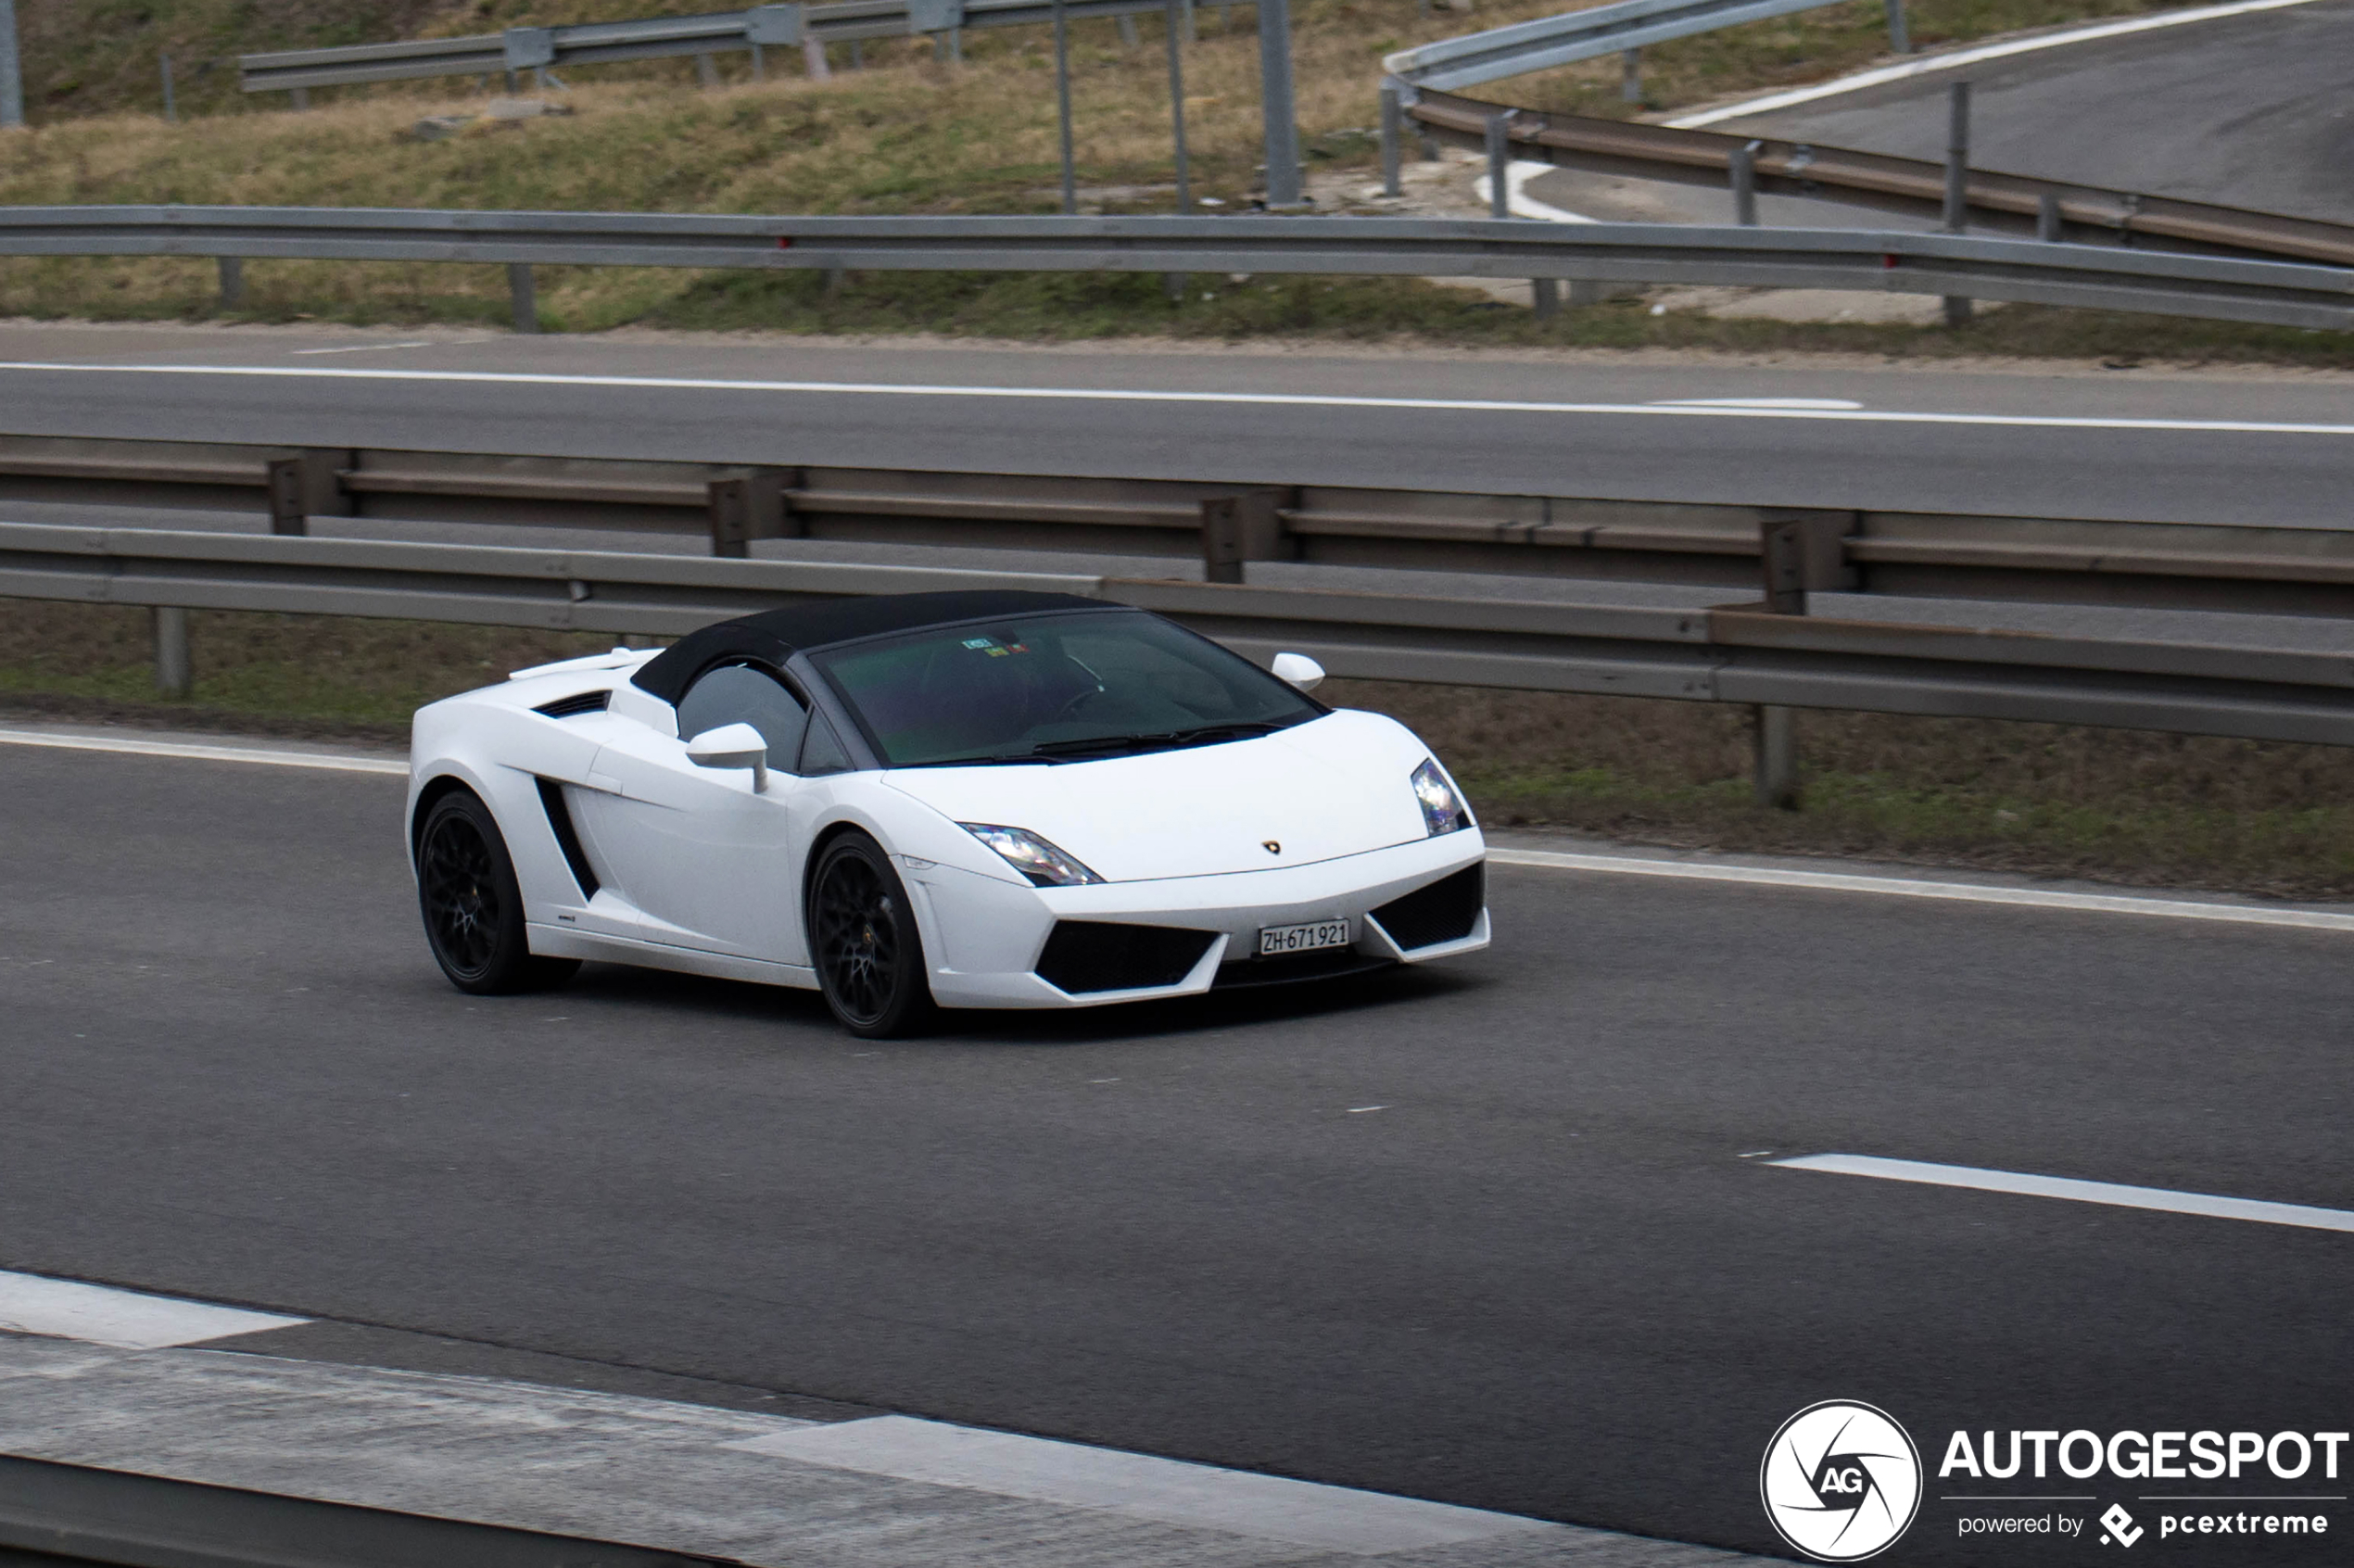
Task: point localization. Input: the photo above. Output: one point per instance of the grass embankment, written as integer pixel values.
(2039, 798)
(909, 134)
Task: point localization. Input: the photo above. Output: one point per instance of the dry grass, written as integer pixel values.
(2041, 798)
(906, 135)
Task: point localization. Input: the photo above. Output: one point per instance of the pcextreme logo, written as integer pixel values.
(1841, 1481)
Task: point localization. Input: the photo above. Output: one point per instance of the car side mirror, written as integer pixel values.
(732, 745)
(1299, 670)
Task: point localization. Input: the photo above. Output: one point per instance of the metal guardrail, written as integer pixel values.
(2005, 203)
(1740, 652)
(2241, 568)
(2229, 289)
(1580, 35)
(549, 48)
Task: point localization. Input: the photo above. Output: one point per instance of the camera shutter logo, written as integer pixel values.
(1841, 1481)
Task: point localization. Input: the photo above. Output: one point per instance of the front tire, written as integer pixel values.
(472, 906)
(868, 954)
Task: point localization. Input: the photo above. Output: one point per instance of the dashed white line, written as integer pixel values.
(1927, 64)
(2109, 1192)
(128, 1320)
(1554, 860)
(363, 347)
(262, 755)
(1709, 410)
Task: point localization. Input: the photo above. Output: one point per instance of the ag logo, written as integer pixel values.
(1841, 1481)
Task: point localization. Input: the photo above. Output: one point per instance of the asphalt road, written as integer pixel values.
(1950, 458)
(1541, 1277)
(2247, 111)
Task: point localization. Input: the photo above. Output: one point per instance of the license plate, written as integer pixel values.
(1276, 940)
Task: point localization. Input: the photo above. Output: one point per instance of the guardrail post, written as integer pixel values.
(299, 98)
(1280, 118)
(1062, 107)
(1630, 81)
(176, 674)
(1393, 134)
(1957, 184)
(232, 282)
(813, 58)
(2047, 218)
(706, 72)
(1546, 295)
(523, 297)
(1243, 528)
(1800, 555)
(12, 70)
(1128, 39)
(748, 504)
(1172, 15)
(1900, 37)
(1500, 163)
(171, 105)
(289, 512)
(1740, 167)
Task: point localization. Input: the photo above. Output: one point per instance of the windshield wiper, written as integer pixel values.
(1200, 735)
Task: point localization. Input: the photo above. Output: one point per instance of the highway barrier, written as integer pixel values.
(2225, 568)
(547, 48)
(2278, 293)
(2018, 204)
(1747, 652)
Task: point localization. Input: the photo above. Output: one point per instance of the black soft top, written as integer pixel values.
(773, 636)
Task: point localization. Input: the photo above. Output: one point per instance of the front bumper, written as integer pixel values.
(984, 937)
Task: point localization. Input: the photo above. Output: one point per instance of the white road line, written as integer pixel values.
(1139, 1486)
(128, 1320)
(2107, 1192)
(363, 347)
(266, 756)
(1905, 887)
(1250, 399)
(1923, 67)
(1554, 860)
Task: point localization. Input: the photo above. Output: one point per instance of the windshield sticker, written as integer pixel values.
(994, 649)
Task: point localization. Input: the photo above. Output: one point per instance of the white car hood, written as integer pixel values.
(1337, 785)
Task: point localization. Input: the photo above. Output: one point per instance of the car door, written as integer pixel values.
(710, 862)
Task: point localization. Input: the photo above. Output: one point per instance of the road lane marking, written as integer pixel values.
(1905, 887)
(2109, 1192)
(1139, 1486)
(266, 756)
(128, 1320)
(1550, 860)
(1255, 400)
(1885, 75)
(363, 347)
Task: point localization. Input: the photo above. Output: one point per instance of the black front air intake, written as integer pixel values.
(1091, 955)
(1446, 910)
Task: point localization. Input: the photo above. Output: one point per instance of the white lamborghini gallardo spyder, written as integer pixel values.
(959, 800)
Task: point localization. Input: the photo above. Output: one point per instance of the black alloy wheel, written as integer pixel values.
(862, 933)
(473, 906)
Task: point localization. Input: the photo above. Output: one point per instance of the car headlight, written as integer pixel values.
(1046, 865)
(1443, 810)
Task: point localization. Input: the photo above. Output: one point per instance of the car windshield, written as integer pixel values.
(1066, 687)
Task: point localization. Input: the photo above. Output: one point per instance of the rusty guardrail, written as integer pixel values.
(2014, 204)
